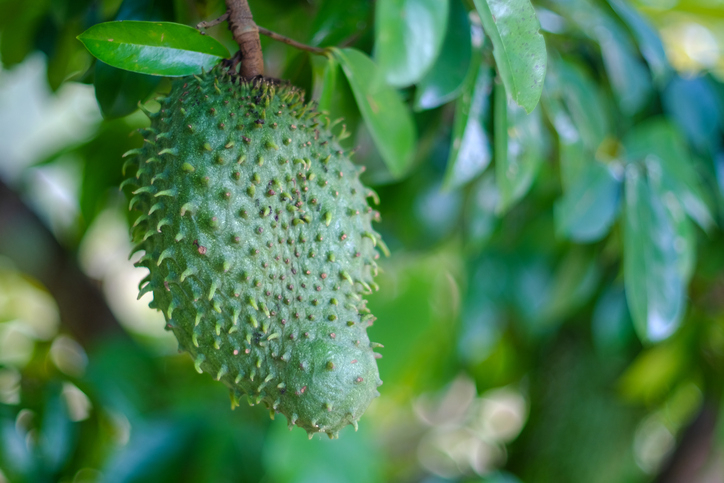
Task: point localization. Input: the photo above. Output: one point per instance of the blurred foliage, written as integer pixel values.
(552, 310)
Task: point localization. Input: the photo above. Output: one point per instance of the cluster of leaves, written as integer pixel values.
(557, 204)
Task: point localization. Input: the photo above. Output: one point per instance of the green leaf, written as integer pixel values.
(338, 21)
(480, 217)
(119, 91)
(386, 116)
(584, 101)
(629, 78)
(470, 151)
(658, 138)
(518, 47)
(156, 48)
(520, 147)
(611, 322)
(648, 40)
(587, 210)
(325, 81)
(652, 274)
(408, 38)
(446, 79)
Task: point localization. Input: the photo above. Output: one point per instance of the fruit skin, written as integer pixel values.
(257, 236)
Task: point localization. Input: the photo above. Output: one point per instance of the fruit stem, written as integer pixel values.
(246, 34)
(293, 43)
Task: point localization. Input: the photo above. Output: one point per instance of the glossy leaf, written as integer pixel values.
(648, 39)
(518, 47)
(119, 91)
(652, 275)
(589, 207)
(446, 79)
(156, 48)
(660, 139)
(520, 147)
(470, 151)
(386, 116)
(409, 35)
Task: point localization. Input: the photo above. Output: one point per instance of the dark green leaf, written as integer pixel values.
(649, 42)
(518, 47)
(520, 147)
(338, 21)
(409, 34)
(445, 80)
(470, 151)
(18, 36)
(658, 138)
(652, 272)
(589, 207)
(119, 91)
(387, 118)
(611, 323)
(156, 48)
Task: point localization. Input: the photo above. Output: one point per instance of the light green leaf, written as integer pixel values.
(652, 272)
(325, 71)
(587, 210)
(156, 48)
(520, 147)
(388, 119)
(408, 38)
(446, 79)
(470, 151)
(518, 47)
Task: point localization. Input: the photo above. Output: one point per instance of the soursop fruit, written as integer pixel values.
(257, 234)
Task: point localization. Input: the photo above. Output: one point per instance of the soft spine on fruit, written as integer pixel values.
(257, 235)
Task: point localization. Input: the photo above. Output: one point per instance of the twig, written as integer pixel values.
(293, 43)
(212, 23)
(246, 34)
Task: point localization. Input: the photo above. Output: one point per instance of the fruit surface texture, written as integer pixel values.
(257, 235)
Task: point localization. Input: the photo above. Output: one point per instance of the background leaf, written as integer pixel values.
(470, 152)
(409, 34)
(445, 80)
(589, 207)
(518, 47)
(119, 91)
(654, 282)
(520, 147)
(387, 118)
(659, 138)
(156, 48)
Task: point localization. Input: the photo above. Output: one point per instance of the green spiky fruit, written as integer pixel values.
(257, 235)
